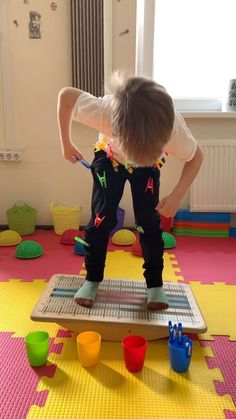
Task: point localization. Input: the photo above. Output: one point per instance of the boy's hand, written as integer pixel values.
(168, 206)
(71, 153)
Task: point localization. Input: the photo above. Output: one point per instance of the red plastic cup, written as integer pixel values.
(134, 350)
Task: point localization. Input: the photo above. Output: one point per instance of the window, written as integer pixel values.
(191, 51)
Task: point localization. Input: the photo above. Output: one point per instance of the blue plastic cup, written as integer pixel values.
(180, 354)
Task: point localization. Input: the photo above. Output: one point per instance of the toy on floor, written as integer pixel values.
(203, 224)
(124, 237)
(37, 348)
(169, 240)
(169, 243)
(79, 249)
(28, 249)
(80, 246)
(180, 348)
(68, 237)
(9, 238)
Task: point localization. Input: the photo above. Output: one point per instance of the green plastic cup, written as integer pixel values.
(37, 346)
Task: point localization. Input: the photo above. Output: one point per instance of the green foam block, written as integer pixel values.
(201, 233)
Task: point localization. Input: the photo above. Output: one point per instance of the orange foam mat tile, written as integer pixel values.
(110, 391)
(217, 304)
(17, 300)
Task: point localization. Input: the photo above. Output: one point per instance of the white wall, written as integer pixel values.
(39, 69)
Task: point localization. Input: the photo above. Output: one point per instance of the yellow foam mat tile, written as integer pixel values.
(110, 391)
(217, 304)
(17, 300)
(121, 264)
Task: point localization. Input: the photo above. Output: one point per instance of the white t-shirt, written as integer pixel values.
(95, 113)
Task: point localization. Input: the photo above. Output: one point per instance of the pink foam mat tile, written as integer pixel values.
(207, 259)
(56, 258)
(225, 359)
(18, 380)
(229, 414)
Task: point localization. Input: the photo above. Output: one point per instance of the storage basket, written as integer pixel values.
(22, 218)
(65, 218)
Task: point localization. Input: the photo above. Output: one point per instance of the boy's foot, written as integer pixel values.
(86, 295)
(157, 299)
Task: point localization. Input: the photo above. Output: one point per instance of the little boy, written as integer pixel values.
(137, 123)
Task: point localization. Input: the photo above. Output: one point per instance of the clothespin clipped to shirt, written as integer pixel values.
(101, 145)
(149, 185)
(102, 180)
(98, 220)
(109, 152)
(79, 240)
(160, 162)
(139, 228)
(115, 165)
(129, 168)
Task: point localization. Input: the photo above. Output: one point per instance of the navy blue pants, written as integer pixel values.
(108, 187)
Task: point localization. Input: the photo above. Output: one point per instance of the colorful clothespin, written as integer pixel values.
(170, 328)
(109, 152)
(160, 162)
(83, 162)
(98, 220)
(188, 346)
(174, 331)
(115, 165)
(139, 228)
(179, 333)
(101, 145)
(102, 179)
(79, 240)
(128, 167)
(149, 185)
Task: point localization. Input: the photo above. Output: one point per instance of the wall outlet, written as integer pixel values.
(10, 155)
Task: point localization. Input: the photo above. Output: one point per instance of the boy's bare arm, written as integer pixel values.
(66, 100)
(169, 205)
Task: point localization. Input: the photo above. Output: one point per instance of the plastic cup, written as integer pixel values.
(180, 354)
(134, 350)
(37, 346)
(89, 346)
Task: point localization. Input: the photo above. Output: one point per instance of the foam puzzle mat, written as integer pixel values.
(110, 391)
(64, 389)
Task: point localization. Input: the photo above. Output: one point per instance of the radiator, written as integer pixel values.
(214, 189)
(88, 45)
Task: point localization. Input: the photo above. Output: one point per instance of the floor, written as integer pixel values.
(64, 389)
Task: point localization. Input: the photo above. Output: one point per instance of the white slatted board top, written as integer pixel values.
(118, 302)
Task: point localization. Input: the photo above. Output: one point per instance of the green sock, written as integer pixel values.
(87, 291)
(157, 299)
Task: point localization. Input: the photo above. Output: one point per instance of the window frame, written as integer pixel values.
(145, 21)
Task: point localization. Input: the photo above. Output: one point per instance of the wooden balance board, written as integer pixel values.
(119, 308)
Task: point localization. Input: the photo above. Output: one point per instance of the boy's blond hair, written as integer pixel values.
(142, 117)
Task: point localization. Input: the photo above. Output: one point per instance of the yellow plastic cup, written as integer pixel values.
(89, 347)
